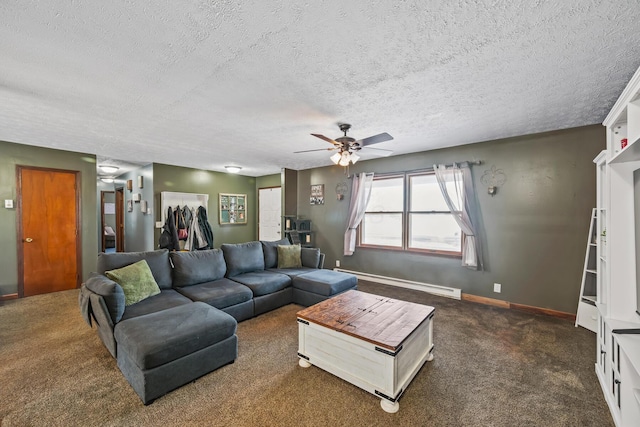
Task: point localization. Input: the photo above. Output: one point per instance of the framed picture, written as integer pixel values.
(129, 185)
(143, 206)
(136, 197)
(317, 194)
(129, 205)
(140, 181)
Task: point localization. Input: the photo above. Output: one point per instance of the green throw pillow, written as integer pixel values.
(289, 256)
(136, 280)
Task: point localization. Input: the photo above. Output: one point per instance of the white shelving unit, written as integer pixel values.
(587, 316)
(618, 354)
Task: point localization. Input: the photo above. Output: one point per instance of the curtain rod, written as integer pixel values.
(430, 169)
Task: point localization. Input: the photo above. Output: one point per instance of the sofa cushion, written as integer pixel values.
(136, 281)
(270, 250)
(310, 257)
(292, 272)
(263, 282)
(220, 293)
(289, 256)
(243, 257)
(158, 263)
(167, 298)
(191, 268)
(159, 338)
(111, 292)
(325, 282)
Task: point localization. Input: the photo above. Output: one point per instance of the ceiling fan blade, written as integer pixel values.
(329, 140)
(378, 151)
(382, 137)
(317, 149)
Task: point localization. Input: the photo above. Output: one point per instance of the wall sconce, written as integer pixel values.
(493, 178)
(341, 190)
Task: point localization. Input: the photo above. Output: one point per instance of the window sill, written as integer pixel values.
(413, 251)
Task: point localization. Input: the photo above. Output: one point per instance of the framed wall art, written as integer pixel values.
(317, 194)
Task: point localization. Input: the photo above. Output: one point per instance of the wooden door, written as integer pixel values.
(48, 230)
(269, 214)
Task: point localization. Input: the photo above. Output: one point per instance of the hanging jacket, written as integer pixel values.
(204, 225)
(195, 239)
(169, 236)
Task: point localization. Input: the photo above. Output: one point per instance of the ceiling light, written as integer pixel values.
(233, 169)
(107, 180)
(336, 158)
(354, 158)
(344, 160)
(109, 169)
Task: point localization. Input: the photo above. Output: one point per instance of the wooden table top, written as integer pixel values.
(382, 321)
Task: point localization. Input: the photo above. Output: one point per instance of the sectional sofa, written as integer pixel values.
(187, 328)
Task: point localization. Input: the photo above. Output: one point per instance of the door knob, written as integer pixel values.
(28, 240)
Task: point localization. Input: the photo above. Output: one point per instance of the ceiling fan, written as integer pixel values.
(348, 146)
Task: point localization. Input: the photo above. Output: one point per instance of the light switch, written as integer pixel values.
(8, 204)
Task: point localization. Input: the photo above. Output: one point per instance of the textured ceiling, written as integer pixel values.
(206, 84)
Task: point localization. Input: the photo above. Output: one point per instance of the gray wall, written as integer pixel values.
(535, 227)
(138, 226)
(187, 180)
(18, 154)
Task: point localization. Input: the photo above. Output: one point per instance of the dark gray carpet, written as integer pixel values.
(492, 367)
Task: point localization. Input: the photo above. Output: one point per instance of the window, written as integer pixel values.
(382, 222)
(419, 221)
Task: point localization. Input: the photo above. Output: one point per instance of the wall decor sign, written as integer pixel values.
(143, 206)
(136, 197)
(129, 205)
(140, 181)
(129, 185)
(317, 194)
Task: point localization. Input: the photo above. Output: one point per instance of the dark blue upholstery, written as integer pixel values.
(191, 268)
(243, 257)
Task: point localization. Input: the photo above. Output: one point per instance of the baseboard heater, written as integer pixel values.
(444, 291)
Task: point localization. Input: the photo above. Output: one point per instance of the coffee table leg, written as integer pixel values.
(303, 363)
(390, 407)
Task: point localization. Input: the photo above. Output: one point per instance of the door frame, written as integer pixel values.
(103, 239)
(119, 219)
(20, 231)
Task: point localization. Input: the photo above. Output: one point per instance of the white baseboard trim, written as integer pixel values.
(444, 291)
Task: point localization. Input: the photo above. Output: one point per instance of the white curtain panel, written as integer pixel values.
(360, 195)
(456, 184)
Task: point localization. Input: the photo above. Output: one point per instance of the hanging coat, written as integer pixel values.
(169, 237)
(204, 225)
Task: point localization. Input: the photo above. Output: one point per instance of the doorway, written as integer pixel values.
(270, 213)
(108, 221)
(49, 232)
(120, 219)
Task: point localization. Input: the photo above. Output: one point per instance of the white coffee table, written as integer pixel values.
(376, 343)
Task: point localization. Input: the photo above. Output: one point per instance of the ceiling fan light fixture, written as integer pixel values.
(233, 169)
(354, 158)
(344, 159)
(109, 168)
(336, 158)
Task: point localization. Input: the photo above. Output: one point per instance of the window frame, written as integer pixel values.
(406, 219)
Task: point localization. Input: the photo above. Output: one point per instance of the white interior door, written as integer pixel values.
(270, 213)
